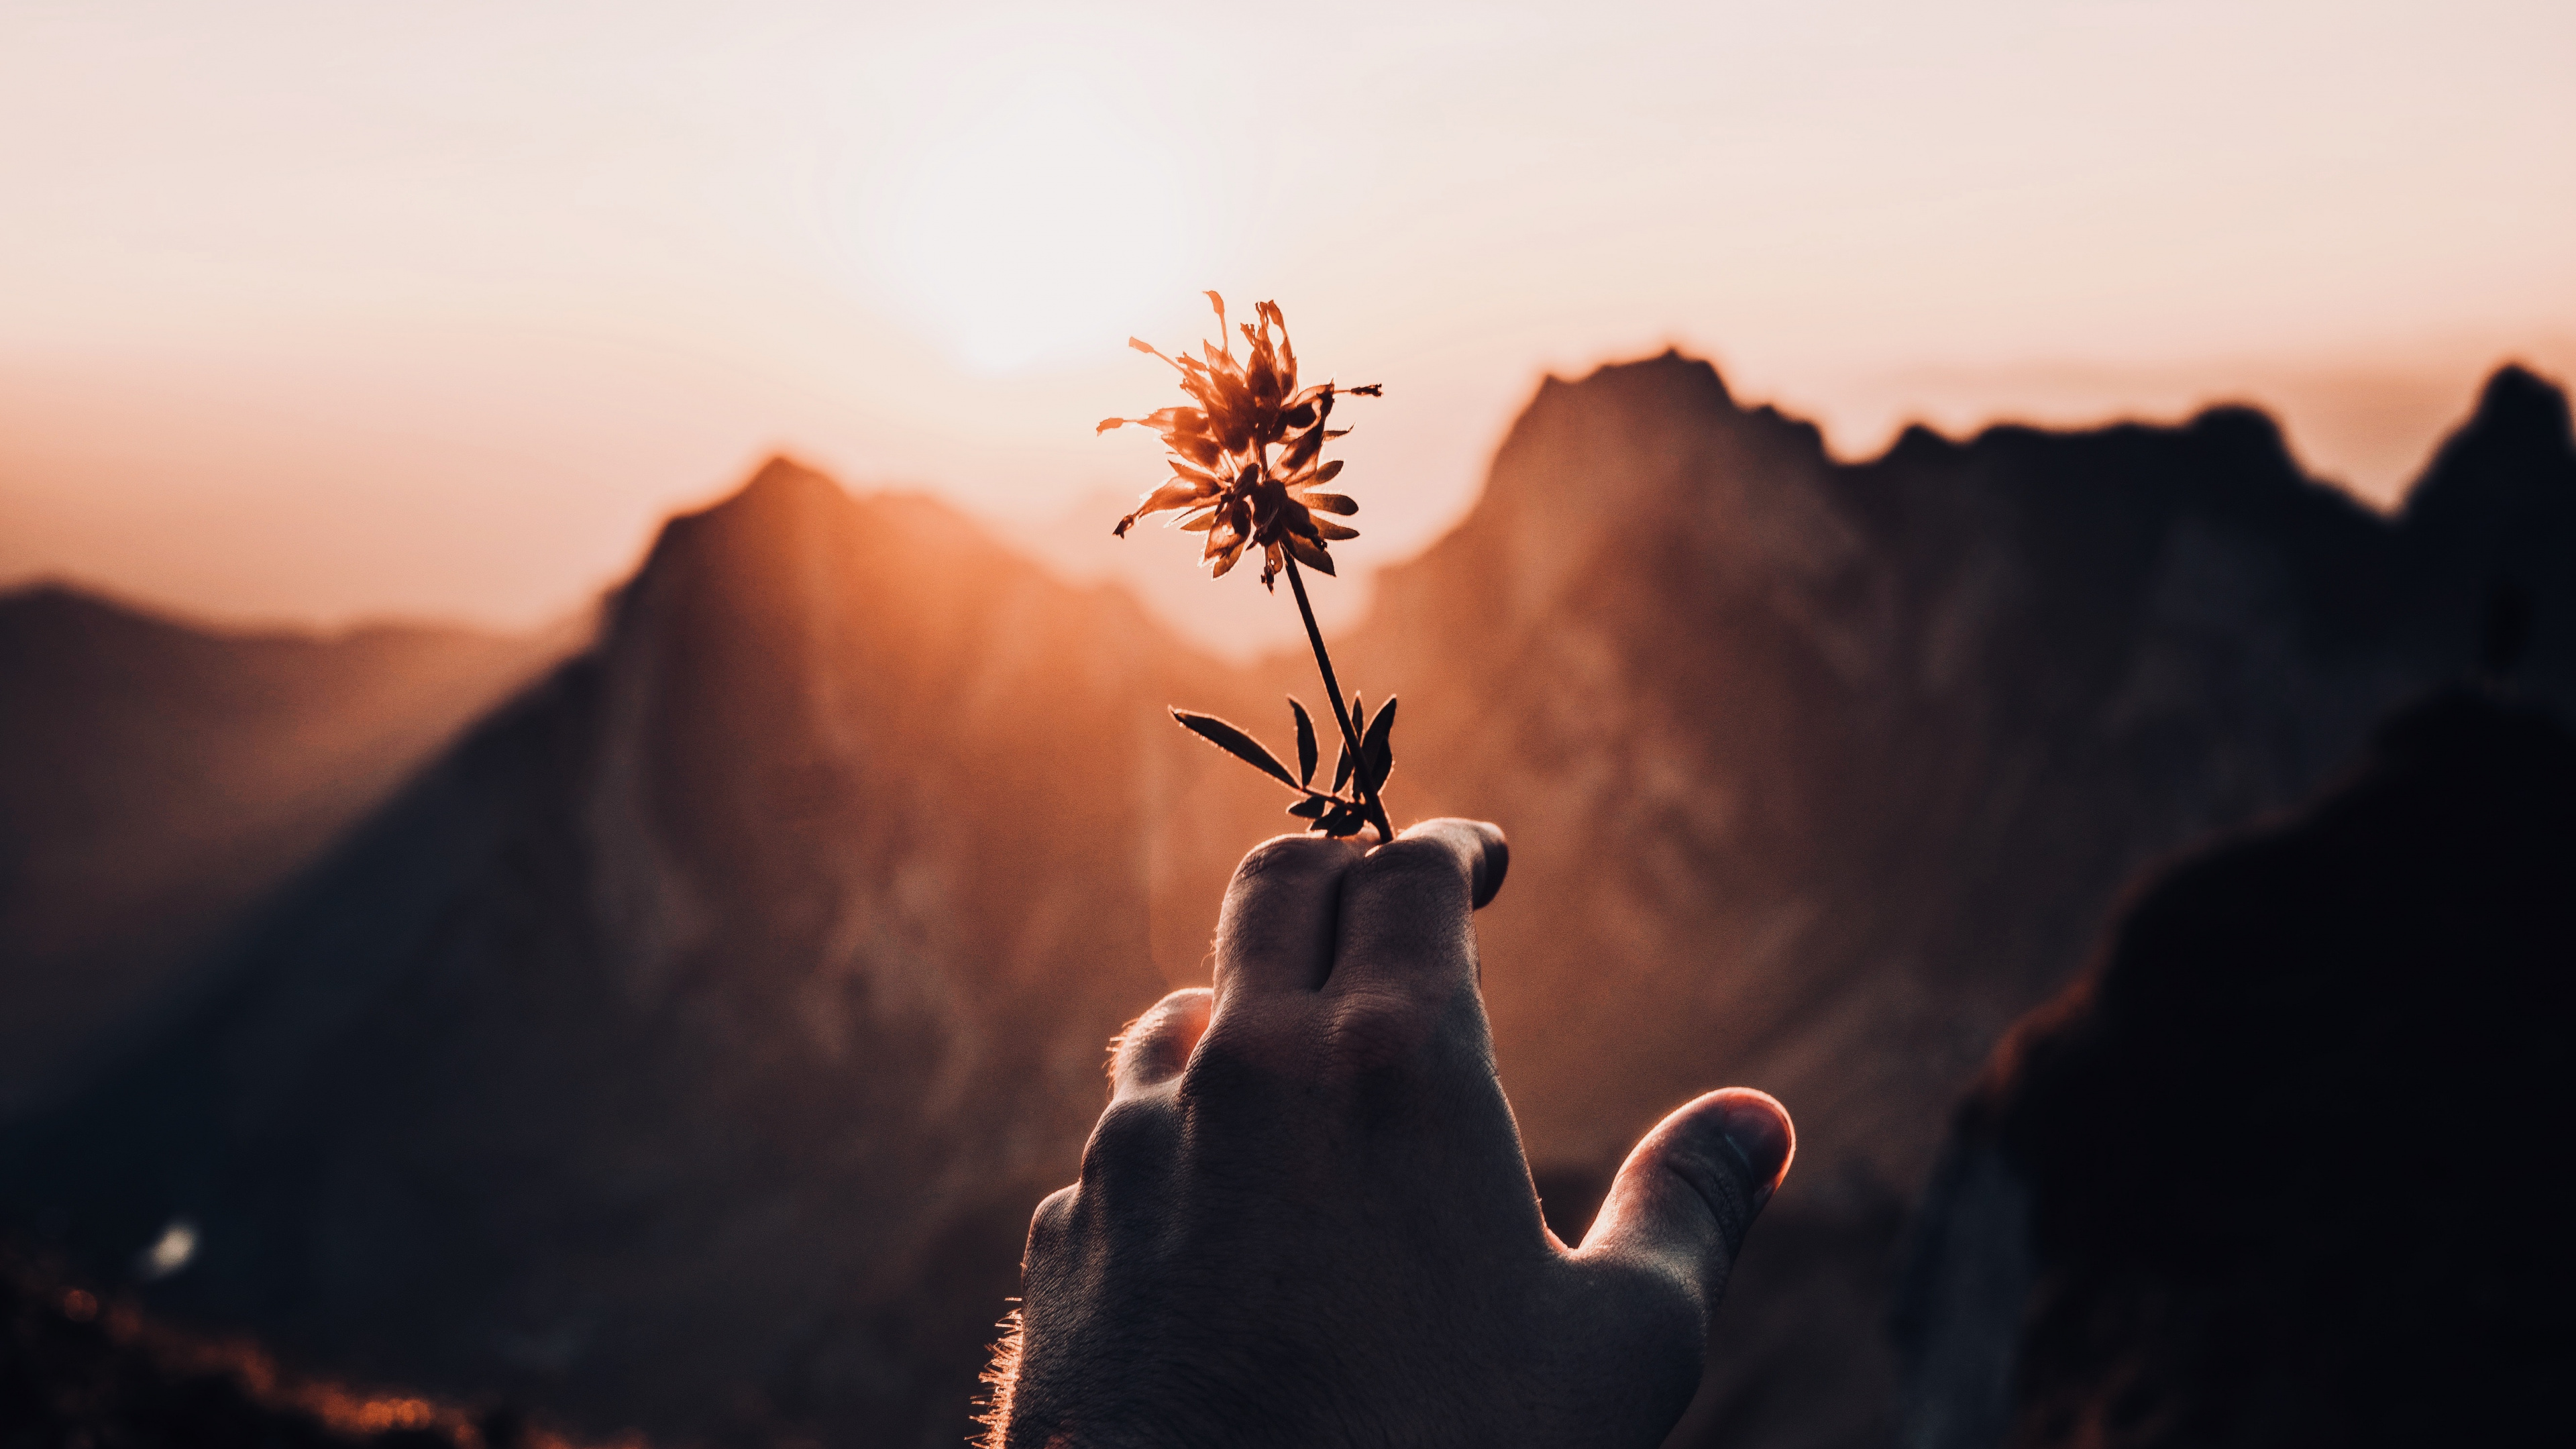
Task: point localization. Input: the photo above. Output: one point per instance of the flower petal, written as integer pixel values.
(1170, 495)
(1301, 451)
(1141, 345)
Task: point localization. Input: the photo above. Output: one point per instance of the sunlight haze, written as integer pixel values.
(317, 312)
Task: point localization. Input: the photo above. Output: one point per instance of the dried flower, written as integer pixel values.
(1227, 482)
(1246, 463)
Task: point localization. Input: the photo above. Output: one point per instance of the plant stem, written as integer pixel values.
(1341, 716)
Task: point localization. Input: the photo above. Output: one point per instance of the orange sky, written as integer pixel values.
(316, 311)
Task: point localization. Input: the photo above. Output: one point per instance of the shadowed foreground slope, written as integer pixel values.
(2286, 1168)
(77, 1370)
(687, 1047)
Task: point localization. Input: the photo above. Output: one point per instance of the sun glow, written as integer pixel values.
(341, 309)
(1033, 218)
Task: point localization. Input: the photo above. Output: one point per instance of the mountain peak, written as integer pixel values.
(788, 519)
(781, 499)
(783, 481)
(2518, 399)
(1668, 375)
(2513, 455)
(2248, 433)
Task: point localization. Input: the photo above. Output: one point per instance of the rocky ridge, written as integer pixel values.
(686, 1047)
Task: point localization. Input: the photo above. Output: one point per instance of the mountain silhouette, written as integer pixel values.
(2281, 1169)
(655, 1042)
(686, 1047)
(1820, 775)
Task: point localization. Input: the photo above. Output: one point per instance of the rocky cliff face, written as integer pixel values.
(688, 1046)
(1868, 749)
(1820, 775)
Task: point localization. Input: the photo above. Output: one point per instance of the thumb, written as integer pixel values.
(1686, 1196)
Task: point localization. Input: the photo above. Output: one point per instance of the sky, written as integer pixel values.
(320, 312)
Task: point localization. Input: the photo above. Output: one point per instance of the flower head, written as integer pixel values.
(1247, 459)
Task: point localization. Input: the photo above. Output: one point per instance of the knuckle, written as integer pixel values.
(1701, 1160)
(1399, 1029)
(1370, 1045)
(1223, 1070)
(1414, 869)
(1181, 1004)
(1150, 1048)
(1286, 855)
(1133, 1138)
(1051, 1225)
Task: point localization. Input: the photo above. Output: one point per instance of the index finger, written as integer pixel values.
(1274, 933)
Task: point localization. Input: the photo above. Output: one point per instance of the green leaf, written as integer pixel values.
(1236, 743)
(1305, 742)
(1377, 747)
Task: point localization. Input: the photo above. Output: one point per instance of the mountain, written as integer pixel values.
(156, 778)
(686, 1046)
(681, 1046)
(2271, 1172)
(1911, 722)
(1819, 776)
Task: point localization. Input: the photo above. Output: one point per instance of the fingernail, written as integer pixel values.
(1758, 1132)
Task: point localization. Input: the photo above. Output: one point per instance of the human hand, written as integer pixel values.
(1304, 1218)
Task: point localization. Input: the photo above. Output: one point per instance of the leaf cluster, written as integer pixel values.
(1362, 773)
